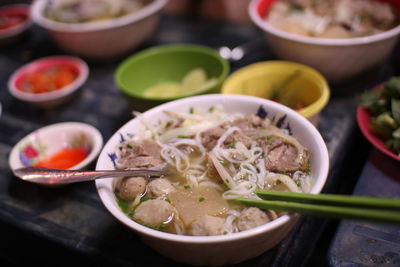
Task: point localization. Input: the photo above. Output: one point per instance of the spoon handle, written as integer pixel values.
(56, 176)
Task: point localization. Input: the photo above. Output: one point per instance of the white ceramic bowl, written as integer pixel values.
(336, 59)
(101, 39)
(224, 249)
(53, 98)
(48, 140)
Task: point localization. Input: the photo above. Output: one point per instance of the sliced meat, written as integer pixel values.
(250, 124)
(210, 137)
(207, 225)
(238, 137)
(140, 155)
(160, 187)
(250, 218)
(284, 158)
(128, 188)
(144, 162)
(154, 213)
(147, 147)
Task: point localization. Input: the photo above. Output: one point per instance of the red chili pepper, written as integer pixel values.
(48, 80)
(64, 159)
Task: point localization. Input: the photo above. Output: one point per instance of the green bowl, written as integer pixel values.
(167, 63)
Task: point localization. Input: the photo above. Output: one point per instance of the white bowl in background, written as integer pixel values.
(101, 39)
(336, 59)
(223, 249)
(48, 140)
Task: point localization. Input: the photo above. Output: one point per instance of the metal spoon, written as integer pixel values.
(55, 176)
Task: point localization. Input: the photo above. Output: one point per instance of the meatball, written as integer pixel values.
(250, 218)
(129, 187)
(207, 225)
(160, 187)
(154, 213)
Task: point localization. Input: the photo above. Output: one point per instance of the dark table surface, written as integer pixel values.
(69, 225)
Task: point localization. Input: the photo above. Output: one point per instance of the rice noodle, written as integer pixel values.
(272, 178)
(226, 178)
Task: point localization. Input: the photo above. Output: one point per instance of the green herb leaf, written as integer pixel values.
(145, 198)
(396, 109)
(231, 145)
(383, 125)
(187, 187)
(201, 199)
(392, 87)
(224, 163)
(123, 205)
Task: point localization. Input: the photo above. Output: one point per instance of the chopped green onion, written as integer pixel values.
(145, 198)
(224, 163)
(232, 145)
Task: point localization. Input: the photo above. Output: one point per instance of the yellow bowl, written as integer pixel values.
(292, 82)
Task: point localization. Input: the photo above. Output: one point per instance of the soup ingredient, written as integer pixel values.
(214, 157)
(64, 159)
(194, 81)
(384, 106)
(128, 188)
(208, 225)
(252, 217)
(198, 202)
(10, 20)
(155, 213)
(48, 80)
(332, 18)
(140, 154)
(83, 11)
(160, 187)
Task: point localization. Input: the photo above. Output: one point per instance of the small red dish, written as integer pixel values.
(48, 98)
(364, 122)
(14, 21)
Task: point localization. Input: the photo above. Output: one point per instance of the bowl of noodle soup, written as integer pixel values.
(337, 56)
(216, 148)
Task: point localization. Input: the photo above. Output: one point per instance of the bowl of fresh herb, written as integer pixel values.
(378, 117)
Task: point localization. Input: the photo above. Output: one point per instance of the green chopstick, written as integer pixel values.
(331, 207)
(342, 200)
